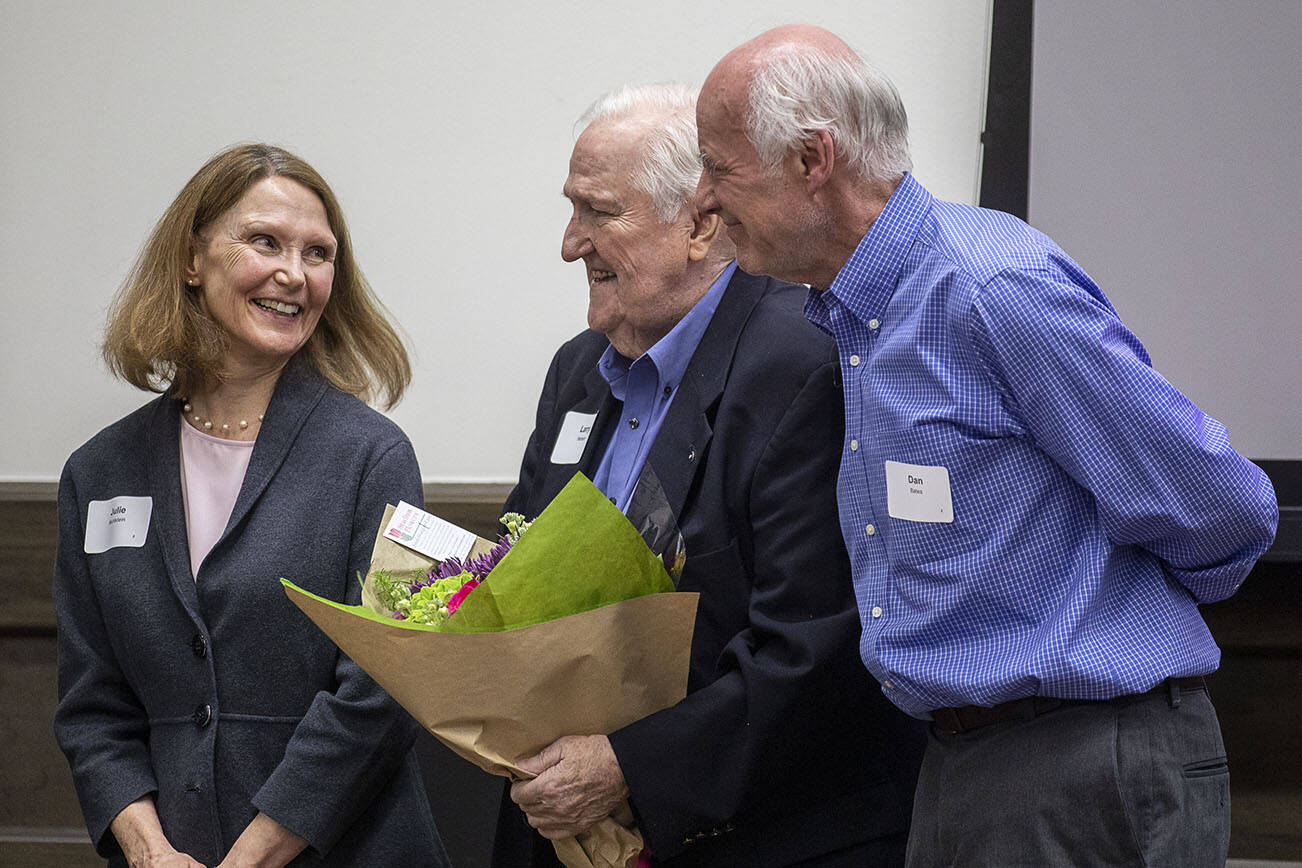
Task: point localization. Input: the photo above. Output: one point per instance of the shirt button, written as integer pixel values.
(199, 645)
(202, 715)
(870, 529)
(633, 423)
(887, 685)
(854, 361)
(877, 611)
(872, 324)
(854, 445)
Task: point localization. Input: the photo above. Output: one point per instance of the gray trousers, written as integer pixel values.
(1135, 781)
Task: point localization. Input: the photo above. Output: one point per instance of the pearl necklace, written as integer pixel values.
(207, 424)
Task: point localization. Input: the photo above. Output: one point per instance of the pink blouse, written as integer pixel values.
(212, 471)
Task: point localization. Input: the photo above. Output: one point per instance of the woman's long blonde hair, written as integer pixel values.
(159, 339)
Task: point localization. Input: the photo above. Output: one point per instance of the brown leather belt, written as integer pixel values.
(970, 717)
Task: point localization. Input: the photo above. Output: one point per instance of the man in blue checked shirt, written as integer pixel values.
(1033, 513)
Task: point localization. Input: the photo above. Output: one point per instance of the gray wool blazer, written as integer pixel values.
(218, 695)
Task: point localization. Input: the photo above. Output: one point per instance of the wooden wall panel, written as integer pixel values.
(40, 822)
(35, 789)
(28, 530)
(46, 852)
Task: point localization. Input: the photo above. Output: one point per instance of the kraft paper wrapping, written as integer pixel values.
(494, 697)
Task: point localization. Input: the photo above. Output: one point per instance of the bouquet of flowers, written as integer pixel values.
(433, 598)
(570, 627)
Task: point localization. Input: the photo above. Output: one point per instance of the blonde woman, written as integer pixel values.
(206, 721)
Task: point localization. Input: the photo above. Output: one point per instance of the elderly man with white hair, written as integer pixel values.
(702, 390)
(1033, 513)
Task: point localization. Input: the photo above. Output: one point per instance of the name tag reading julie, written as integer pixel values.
(122, 522)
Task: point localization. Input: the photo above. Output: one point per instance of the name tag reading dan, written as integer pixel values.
(575, 431)
(428, 534)
(916, 492)
(120, 522)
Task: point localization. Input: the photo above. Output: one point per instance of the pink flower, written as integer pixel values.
(455, 600)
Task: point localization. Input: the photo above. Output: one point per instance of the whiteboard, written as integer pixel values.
(1165, 146)
(444, 128)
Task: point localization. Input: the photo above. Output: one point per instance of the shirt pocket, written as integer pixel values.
(931, 547)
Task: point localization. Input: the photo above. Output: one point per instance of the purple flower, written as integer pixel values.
(480, 565)
(443, 570)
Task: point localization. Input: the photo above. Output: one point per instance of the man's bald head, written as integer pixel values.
(802, 144)
(804, 36)
(796, 79)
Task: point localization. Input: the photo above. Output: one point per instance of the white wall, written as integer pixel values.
(1165, 158)
(445, 129)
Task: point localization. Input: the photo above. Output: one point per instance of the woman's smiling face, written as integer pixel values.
(263, 271)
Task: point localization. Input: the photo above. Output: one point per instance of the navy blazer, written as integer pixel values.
(218, 695)
(784, 749)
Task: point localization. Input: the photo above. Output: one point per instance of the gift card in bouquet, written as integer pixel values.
(410, 542)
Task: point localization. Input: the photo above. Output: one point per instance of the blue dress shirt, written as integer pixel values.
(647, 386)
(1091, 505)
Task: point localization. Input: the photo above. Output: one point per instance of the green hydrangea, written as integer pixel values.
(429, 605)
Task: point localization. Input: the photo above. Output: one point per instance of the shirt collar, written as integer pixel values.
(867, 280)
(670, 355)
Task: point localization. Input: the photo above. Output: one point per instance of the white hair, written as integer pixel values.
(670, 165)
(797, 90)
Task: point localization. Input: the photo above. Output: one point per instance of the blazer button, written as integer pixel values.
(202, 715)
(199, 645)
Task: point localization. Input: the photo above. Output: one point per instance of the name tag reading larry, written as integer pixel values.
(574, 434)
(120, 522)
(915, 492)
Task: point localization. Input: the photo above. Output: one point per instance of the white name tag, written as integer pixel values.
(122, 521)
(915, 492)
(575, 431)
(428, 534)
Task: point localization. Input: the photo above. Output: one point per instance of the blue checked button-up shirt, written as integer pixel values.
(1030, 508)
